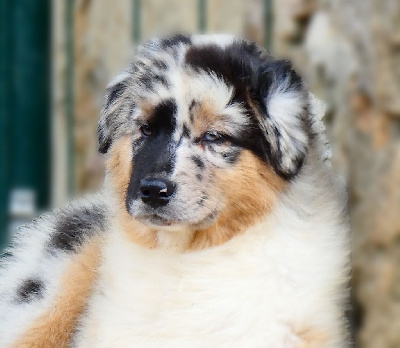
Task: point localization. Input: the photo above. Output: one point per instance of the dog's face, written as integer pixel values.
(202, 133)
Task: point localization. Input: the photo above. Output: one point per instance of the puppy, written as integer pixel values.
(220, 224)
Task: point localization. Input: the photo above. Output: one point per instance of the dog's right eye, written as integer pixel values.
(146, 130)
(212, 137)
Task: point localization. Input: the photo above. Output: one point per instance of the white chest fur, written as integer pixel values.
(257, 290)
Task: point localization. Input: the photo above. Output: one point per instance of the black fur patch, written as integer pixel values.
(198, 161)
(30, 290)
(74, 226)
(105, 144)
(155, 156)
(163, 119)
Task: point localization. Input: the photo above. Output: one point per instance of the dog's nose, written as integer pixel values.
(156, 192)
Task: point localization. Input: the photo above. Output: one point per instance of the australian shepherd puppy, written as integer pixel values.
(221, 223)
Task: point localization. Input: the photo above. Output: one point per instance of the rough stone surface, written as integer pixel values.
(102, 44)
(168, 17)
(349, 52)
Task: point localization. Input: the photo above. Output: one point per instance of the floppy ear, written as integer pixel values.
(108, 119)
(284, 101)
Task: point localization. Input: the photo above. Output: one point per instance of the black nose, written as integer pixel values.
(156, 192)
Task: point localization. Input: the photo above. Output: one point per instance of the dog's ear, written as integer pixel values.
(111, 106)
(284, 103)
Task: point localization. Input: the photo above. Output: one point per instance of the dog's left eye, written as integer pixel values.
(146, 130)
(212, 136)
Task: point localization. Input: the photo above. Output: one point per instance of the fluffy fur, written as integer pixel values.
(220, 223)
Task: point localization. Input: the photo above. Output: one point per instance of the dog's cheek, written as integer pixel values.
(119, 167)
(250, 189)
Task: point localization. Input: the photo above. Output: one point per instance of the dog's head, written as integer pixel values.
(202, 133)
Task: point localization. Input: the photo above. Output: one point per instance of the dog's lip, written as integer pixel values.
(159, 220)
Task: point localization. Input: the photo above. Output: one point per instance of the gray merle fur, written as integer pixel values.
(76, 225)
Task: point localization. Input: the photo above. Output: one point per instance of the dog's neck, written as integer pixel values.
(178, 240)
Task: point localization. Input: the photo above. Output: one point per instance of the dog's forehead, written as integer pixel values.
(164, 70)
(165, 75)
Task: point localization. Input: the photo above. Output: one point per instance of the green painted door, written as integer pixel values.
(24, 102)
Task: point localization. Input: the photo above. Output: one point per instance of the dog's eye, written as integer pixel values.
(212, 136)
(146, 130)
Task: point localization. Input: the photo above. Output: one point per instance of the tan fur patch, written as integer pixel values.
(147, 110)
(55, 327)
(204, 116)
(119, 167)
(251, 188)
(312, 338)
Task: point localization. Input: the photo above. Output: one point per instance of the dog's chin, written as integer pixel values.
(158, 221)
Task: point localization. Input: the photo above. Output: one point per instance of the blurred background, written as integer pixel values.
(56, 58)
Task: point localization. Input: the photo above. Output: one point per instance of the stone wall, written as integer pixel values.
(349, 52)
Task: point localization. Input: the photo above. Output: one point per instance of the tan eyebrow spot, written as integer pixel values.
(204, 115)
(147, 110)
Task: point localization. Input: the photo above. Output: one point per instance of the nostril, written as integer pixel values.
(164, 194)
(156, 192)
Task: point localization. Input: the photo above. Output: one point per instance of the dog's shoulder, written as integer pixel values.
(46, 261)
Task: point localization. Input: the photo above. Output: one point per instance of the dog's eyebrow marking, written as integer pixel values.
(75, 226)
(30, 290)
(199, 176)
(197, 160)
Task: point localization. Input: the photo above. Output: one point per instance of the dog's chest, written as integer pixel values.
(232, 295)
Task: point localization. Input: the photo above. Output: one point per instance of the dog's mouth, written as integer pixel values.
(158, 220)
